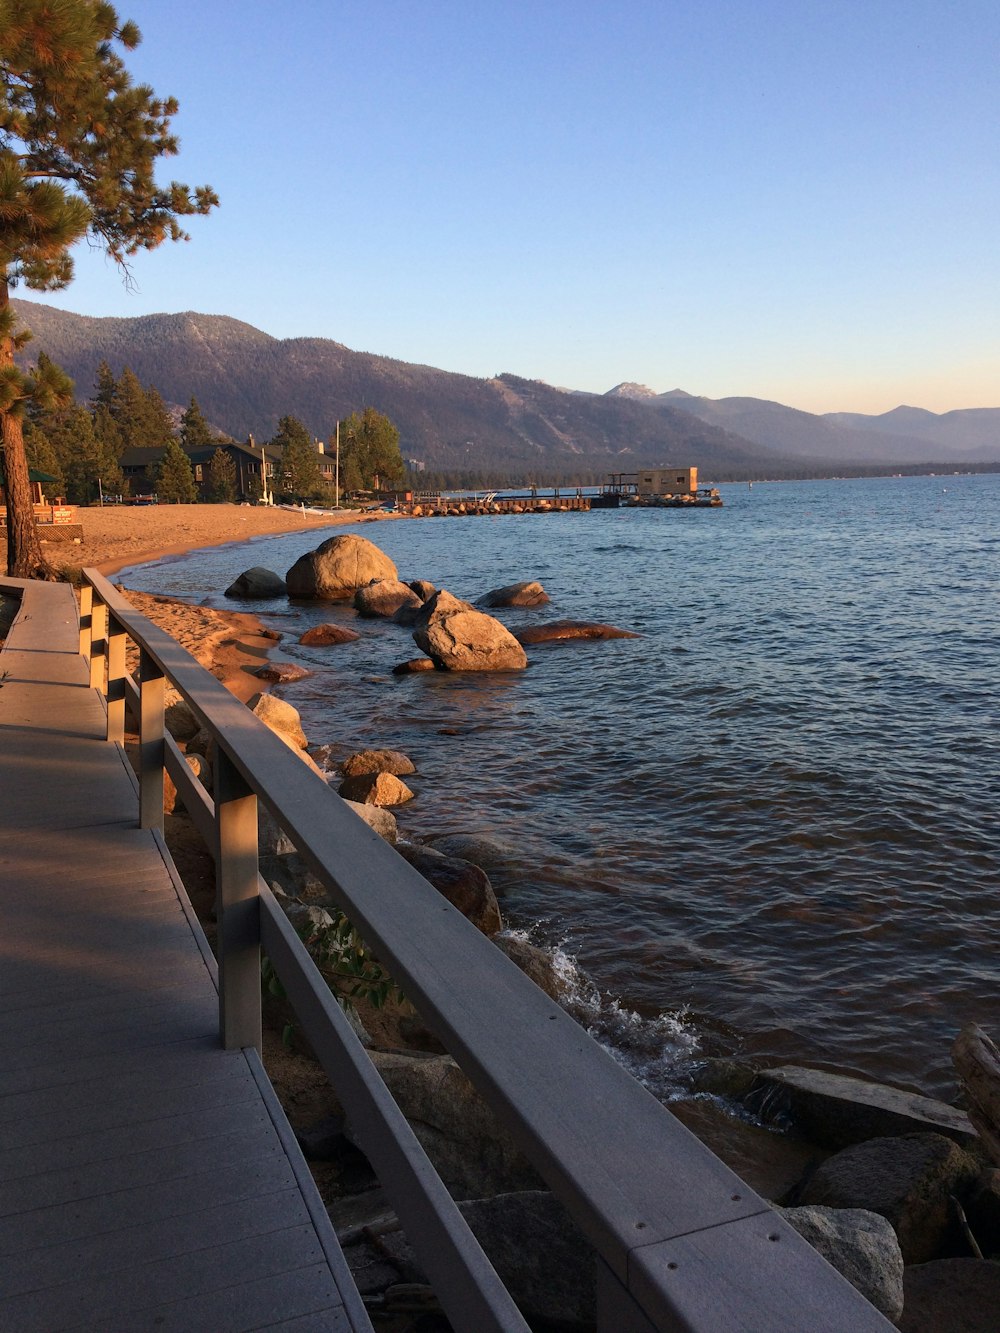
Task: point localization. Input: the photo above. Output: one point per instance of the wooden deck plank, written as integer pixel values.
(144, 1173)
(61, 1151)
(195, 1273)
(115, 1251)
(156, 1071)
(76, 782)
(184, 1196)
(104, 1179)
(307, 1291)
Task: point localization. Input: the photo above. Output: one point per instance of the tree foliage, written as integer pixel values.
(301, 478)
(221, 478)
(79, 146)
(174, 477)
(88, 468)
(369, 452)
(196, 433)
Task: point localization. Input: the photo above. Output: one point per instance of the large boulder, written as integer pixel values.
(982, 1208)
(180, 721)
(836, 1110)
(537, 964)
(382, 821)
(201, 768)
(951, 1296)
(556, 630)
(471, 1151)
(324, 636)
(977, 1061)
(257, 582)
(440, 604)
(384, 597)
(337, 568)
(470, 641)
(539, 1254)
(377, 761)
(908, 1180)
(515, 594)
(463, 884)
(279, 716)
(860, 1245)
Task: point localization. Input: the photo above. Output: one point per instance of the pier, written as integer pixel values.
(150, 1177)
(436, 505)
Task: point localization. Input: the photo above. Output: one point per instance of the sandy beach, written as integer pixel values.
(125, 535)
(228, 643)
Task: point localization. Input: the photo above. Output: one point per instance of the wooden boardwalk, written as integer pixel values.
(148, 1178)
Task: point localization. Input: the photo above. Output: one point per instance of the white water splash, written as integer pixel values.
(657, 1052)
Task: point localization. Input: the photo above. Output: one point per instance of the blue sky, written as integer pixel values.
(790, 199)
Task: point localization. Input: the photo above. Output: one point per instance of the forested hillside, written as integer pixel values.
(245, 381)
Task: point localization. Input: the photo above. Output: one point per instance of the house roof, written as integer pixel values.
(137, 458)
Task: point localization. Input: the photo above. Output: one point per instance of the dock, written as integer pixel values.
(149, 1177)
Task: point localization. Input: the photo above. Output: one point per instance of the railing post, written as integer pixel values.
(237, 907)
(116, 680)
(86, 609)
(151, 746)
(98, 644)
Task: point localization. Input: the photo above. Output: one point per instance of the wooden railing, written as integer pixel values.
(681, 1243)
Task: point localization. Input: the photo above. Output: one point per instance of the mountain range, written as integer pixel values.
(506, 426)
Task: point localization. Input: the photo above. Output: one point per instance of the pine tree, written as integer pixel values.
(142, 420)
(222, 478)
(174, 478)
(79, 144)
(301, 478)
(195, 430)
(42, 455)
(102, 406)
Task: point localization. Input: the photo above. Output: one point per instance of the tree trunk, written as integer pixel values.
(24, 551)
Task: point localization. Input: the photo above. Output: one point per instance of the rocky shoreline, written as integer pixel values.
(900, 1192)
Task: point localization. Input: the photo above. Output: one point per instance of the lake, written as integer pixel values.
(770, 824)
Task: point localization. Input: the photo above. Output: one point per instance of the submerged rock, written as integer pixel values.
(481, 849)
(515, 594)
(570, 629)
(324, 636)
(413, 666)
(282, 673)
